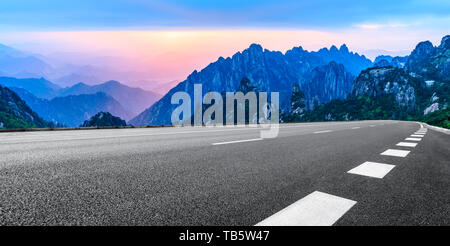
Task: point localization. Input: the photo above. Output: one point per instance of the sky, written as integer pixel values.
(160, 42)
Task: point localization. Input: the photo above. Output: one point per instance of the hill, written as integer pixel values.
(104, 119)
(15, 113)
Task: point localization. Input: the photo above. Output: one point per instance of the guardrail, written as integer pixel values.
(439, 129)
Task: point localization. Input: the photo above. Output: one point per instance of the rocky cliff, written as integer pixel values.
(327, 82)
(376, 81)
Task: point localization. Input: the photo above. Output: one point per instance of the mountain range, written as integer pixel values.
(73, 105)
(73, 110)
(328, 84)
(135, 99)
(328, 81)
(418, 90)
(15, 63)
(268, 71)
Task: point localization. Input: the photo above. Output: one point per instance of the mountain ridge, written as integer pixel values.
(267, 70)
(419, 90)
(134, 99)
(72, 110)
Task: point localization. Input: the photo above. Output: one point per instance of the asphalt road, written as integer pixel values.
(208, 176)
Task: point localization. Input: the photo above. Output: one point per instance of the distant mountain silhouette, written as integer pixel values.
(15, 63)
(41, 88)
(135, 100)
(73, 110)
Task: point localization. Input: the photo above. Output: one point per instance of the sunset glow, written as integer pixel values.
(157, 59)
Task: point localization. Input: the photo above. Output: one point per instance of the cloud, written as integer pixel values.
(379, 26)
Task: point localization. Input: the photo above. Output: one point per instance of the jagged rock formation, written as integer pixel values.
(374, 82)
(268, 70)
(431, 62)
(353, 62)
(327, 82)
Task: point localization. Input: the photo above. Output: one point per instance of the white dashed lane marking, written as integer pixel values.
(316, 209)
(357, 127)
(238, 141)
(406, 144)
(413, 139)
(322, 131)
(372, 169)
(417, 136)
(396, 152)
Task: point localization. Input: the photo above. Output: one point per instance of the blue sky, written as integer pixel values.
(30, 15)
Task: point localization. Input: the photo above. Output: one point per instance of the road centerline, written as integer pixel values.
(315, 209)
(324, 131)
(413, 139)
(396, 152)
(372, 169)
(407, 144)
(238, 141)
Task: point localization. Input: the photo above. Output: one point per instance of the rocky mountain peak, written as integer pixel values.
(334, 49)
(344, 48)
(255, 48)
(423, 49)
(445, 43)
(431, 62)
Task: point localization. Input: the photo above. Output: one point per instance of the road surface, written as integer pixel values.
(339, 173)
